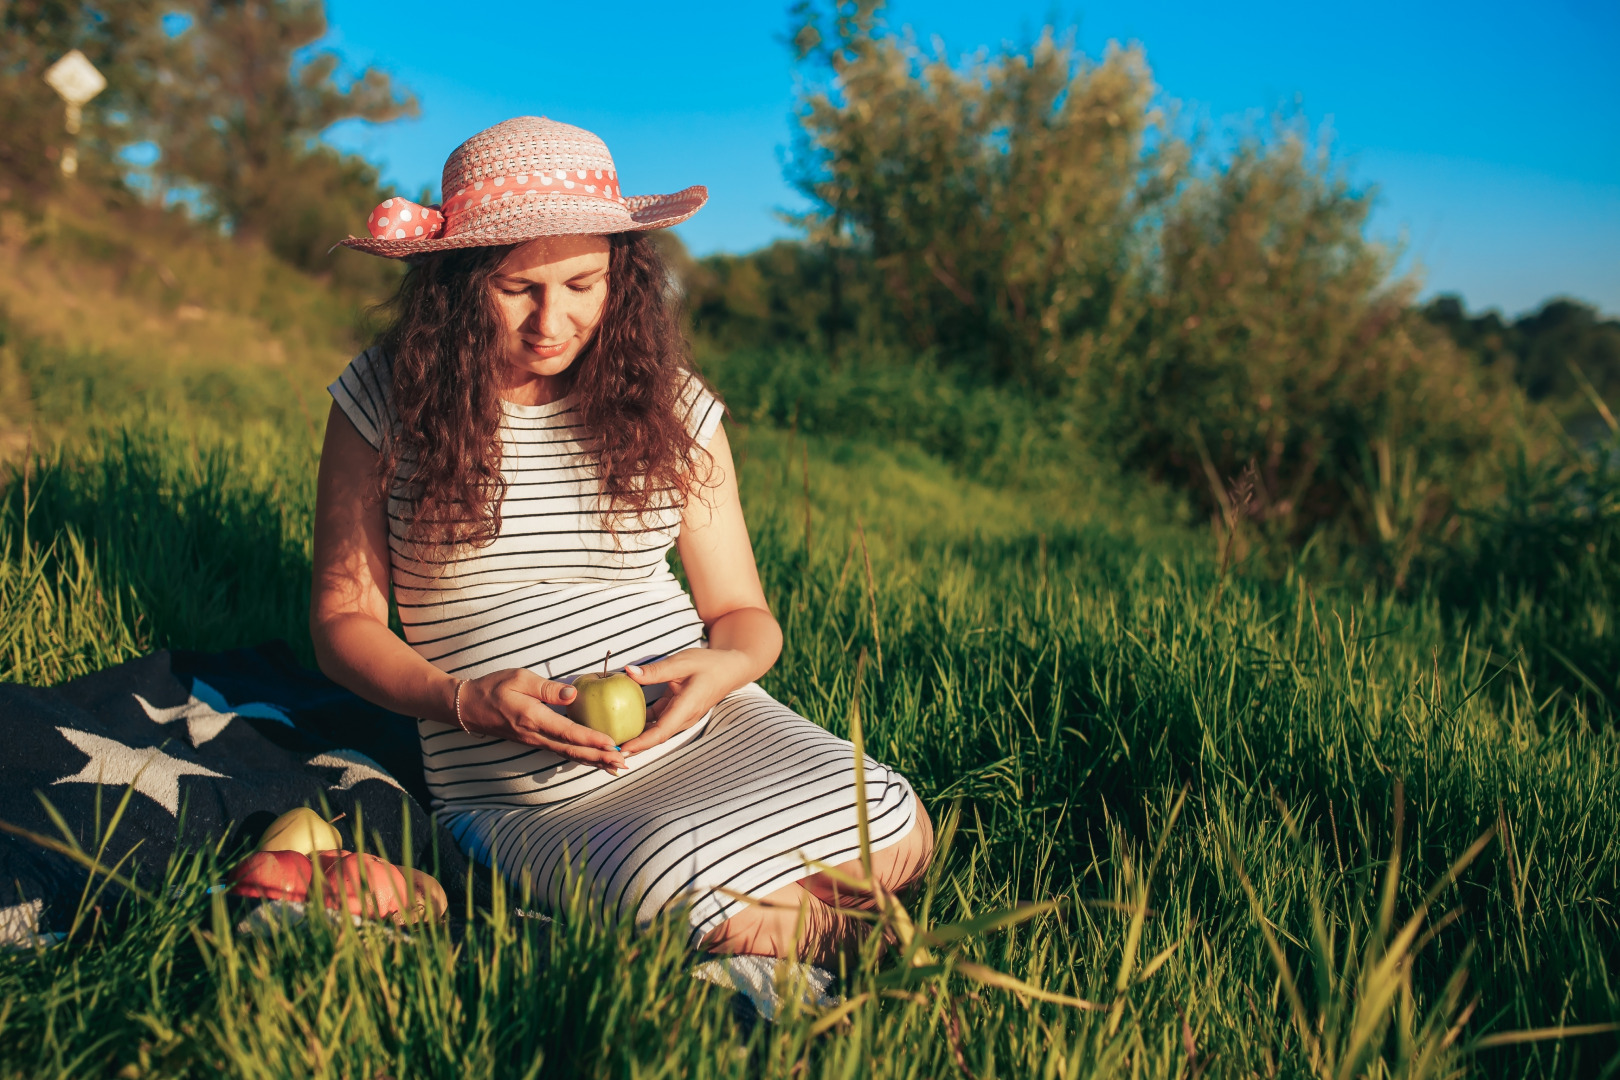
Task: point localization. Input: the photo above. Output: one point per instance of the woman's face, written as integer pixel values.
(551, 293)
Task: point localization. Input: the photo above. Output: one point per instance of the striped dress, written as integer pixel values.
(734, 804)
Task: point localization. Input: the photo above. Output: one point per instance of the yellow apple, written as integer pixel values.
(431, 901)
(301, 830)
(609, 702)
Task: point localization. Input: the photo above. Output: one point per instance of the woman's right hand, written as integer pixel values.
(520, 706)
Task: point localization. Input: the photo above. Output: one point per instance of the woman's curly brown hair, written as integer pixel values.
(445, 340)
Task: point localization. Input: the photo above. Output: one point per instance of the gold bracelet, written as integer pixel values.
(459, 720)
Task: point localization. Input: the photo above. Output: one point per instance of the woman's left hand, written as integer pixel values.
(698, 679)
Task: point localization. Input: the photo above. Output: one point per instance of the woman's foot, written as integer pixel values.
(809, 919)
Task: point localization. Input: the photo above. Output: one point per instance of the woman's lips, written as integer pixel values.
(546, 352)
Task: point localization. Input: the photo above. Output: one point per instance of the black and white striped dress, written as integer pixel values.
(735, 804)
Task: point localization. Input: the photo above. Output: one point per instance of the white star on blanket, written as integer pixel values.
(148, 770)
(202, 721)
(206, 713)
(356, 767)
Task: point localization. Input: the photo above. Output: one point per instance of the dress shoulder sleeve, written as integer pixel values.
(365, 393)
(704, 411)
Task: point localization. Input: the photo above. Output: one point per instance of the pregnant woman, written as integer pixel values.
(515, 458)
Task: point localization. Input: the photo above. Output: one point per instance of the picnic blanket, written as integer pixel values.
(215, 746)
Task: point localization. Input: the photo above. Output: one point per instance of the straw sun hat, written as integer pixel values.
(519, 180)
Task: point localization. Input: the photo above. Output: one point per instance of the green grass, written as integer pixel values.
(151, 536)
(1058, 668)
(1240, 789)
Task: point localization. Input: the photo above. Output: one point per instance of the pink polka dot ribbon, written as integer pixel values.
(588, 183)
(401, 219)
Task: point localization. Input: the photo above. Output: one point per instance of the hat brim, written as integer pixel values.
(549, 214)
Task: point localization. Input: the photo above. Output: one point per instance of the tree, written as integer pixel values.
(221, 90)
(1539, 350)
(237, 115)
(997, 200)
(34, 34)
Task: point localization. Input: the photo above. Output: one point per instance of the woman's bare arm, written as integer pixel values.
(718, 558)
(744, 638)
(348, 612)
(348, 621)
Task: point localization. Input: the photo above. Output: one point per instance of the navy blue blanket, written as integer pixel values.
(215, 745)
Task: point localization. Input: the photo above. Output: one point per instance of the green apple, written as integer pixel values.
(301, 830)
(609, 702)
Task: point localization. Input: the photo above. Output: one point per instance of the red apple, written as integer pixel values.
(273, 875)
(363, 884)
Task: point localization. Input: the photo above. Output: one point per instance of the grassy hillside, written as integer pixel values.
(112, 314)
(1255, 801)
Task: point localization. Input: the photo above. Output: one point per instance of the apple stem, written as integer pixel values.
(339, 818)
(605, 660)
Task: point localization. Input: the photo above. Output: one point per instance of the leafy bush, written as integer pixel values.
(1272, 338)
(771, 297)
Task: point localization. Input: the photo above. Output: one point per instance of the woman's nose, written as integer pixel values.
(550, 317)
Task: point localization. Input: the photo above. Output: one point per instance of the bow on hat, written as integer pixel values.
(401, 219)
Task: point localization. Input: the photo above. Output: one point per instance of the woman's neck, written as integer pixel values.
(526, 388)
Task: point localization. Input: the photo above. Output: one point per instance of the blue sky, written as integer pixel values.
(1492, 131)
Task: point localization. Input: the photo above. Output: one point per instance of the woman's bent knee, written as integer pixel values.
(911, 856)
